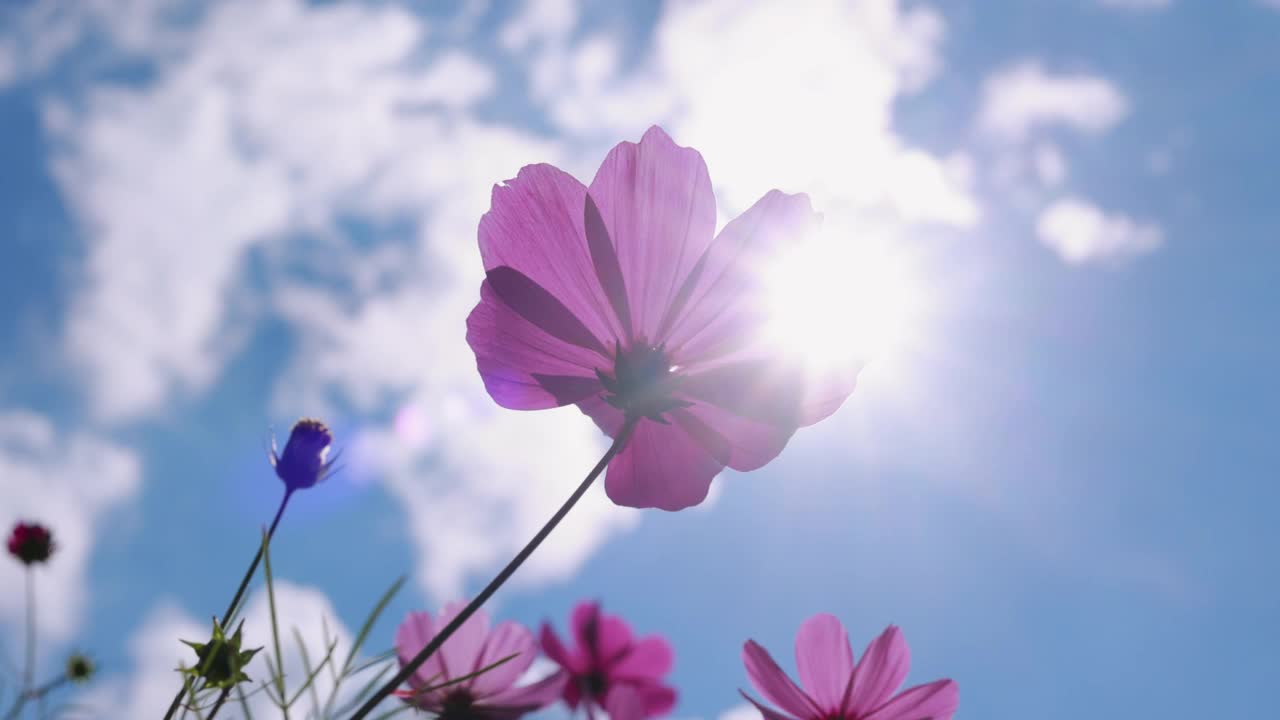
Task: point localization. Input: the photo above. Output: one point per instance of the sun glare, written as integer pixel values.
(835, 300)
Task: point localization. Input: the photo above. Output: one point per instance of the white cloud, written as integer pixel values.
(456, 80)
(1081, 233)
(155, 652)
(743, 711)
(538, 21)
(276, 122)
(271, 121)
(1136, 4)
(799, 98)
(1050, 164)
(67, 482)
(1024, 97)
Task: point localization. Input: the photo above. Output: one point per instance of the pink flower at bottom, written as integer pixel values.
(610, 669)
(491, 695)
(620, 298)
(836, 689)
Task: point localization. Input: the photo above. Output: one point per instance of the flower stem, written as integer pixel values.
(244, 584)
(28, 672)
(409, 668)
(28, 676)
(226, 691)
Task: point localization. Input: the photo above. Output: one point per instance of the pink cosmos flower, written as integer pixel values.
(491, 695)
(620, 298)
(608, 668)
(626, 702)
(836, 689)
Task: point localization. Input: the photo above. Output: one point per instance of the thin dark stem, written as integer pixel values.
(28, 692)
(50, 686)
(244, 583)
(38, 694)
(253, 566)
(28, 675)
(226, 691)
(409, 668)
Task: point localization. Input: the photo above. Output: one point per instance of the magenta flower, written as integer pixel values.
(491, 695)
(626, 702)
(617, 298)
(31, 543)
(608, 668)
(836, 689)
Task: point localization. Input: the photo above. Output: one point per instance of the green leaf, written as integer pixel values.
(311, 674)
(275, 625)
(371, 619)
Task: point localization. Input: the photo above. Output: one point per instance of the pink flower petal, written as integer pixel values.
(624, 702)
(413, 634)
(542, 309)
(764, 390)
(655, 698)
(601, 637)
(824, 660)
(529, 697)
(607, 417)
(880, 671)
(583, 620)
(458, 654)
(774, 684)
(556, 651)
(523, 366)
(608, 268)
(535, 225)
(508, 638)
(649, 658)
(613, 639)
(719, 304)
(766, 711)
(658, 699)
(661, 466)
(937, 700)
(741, 443)
(656, 201)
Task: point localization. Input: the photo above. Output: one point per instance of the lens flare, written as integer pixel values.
(835, 301)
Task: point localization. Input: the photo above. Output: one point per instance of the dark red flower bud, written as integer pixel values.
(31, 543)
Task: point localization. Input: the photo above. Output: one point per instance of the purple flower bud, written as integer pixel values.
(31, 543)
(303, 462)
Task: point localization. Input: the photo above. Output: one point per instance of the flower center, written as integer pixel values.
(594, 684)
(457, 705)
(642, 382)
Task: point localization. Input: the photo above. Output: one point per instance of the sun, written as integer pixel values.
(834, 300)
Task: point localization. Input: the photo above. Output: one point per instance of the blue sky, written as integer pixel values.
(1058, 476)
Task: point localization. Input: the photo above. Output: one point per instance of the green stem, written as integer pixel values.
(409, 668)
(226, 691)
(235, 600)
(28, 675)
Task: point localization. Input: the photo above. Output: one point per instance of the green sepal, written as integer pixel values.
(220, 662)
